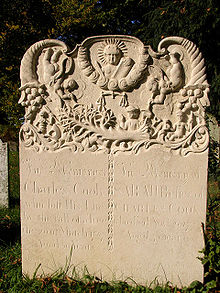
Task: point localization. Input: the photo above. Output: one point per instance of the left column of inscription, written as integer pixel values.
(64, 208)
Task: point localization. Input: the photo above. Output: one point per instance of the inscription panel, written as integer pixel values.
(120, 216)
(64, 208)
(158, 211)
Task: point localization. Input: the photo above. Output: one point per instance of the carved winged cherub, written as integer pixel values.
(114, 72)
(114, 66)
(161, 83)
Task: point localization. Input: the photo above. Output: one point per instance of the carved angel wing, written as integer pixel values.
(29, 63)
(196, 76)
(44, 68)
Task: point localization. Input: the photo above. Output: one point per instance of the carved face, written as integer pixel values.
(166, 125)
(133, 113)
(174, 57)
(112, 54)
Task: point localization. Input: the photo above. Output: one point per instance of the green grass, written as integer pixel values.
(14, 186)
(211, 259)
(9, 225)
(12, 280)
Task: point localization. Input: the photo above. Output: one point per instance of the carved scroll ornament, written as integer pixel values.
(112, 93)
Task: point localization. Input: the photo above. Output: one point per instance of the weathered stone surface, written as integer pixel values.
(113, 158)
(3, 174)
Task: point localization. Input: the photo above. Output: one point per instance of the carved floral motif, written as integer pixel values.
(55, 90)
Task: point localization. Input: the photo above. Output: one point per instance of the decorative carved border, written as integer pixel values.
(54, 118)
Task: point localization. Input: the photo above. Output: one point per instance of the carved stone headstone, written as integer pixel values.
(113, 158)
(3, 174)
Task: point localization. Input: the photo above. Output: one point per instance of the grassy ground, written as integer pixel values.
(12, 281)
(14, 186)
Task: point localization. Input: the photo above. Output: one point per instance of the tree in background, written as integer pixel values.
(23, 23)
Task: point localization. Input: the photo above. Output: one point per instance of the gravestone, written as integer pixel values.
(3, 174)
(113, 158)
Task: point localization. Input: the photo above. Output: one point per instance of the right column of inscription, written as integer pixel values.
(113, 158)
(160, 203)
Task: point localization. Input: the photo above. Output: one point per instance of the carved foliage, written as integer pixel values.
(170, 95)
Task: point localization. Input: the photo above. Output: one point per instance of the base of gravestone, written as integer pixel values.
(128, 216)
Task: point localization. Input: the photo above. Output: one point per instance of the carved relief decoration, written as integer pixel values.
(112, 94)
